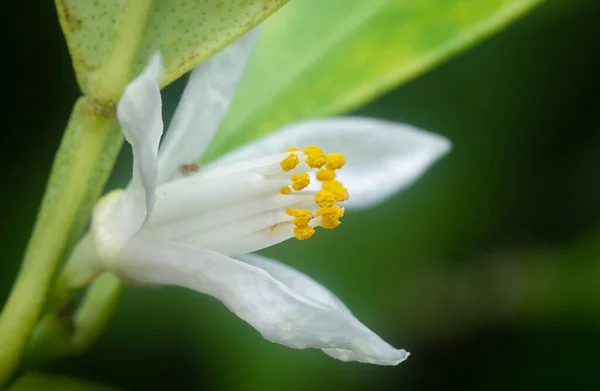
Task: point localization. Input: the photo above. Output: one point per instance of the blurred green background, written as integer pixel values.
(487, 270)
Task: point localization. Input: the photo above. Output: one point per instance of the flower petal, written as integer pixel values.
(279, 313)
(302, 284)
(295, 280)
(203, 105)
(382, 157)
(140, 117)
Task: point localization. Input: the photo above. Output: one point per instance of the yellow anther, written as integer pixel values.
(324, 198)
(329, 223)
(332, 184)
(312, 149)
(325, 175)
(304, 232)
(332, 191)
(272, 228)
(292, 149)
(339, 192)
(300, 181)
(315, 158)
(290, 162)
(335, 161)
(330, 216)
(302, 217)
(301, 221)
(330, 213)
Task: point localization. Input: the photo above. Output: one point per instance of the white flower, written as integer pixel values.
(177, 224)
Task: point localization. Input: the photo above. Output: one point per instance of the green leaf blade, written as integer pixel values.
(90, 29)
(186, 32)
(320, 59)
(189, 32)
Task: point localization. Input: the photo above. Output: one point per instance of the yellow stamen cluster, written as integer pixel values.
(332, 191)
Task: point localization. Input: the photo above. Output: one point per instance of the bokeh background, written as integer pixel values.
(487, 270)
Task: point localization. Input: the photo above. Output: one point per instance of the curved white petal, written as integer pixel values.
(302, 284)
(203, 105)
(140, 117)
(295, 280)
(279, 313)
(382, 157)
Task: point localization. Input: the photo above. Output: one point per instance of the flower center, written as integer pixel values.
(246, 206)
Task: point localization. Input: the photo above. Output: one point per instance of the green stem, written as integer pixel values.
(94, 313)
(78, 163)
(78, 271)
(81, 167)
(61, 334)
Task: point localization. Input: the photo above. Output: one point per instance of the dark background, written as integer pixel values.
(487, 270)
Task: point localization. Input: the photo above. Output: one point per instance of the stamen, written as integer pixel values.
(301, 228)
(302, 217)
(332, 212)
(329, 223)
(290, 162)
(300, 181)
(335, 161)
(315, 158)
(325, 174)
(304, 232)
(339, 192)
(250, 205)
(324, 199)
(330, 216)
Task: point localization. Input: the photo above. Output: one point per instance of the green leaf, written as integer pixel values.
(39, 381)
(319, 58)
(188, 32)
(185, 31)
